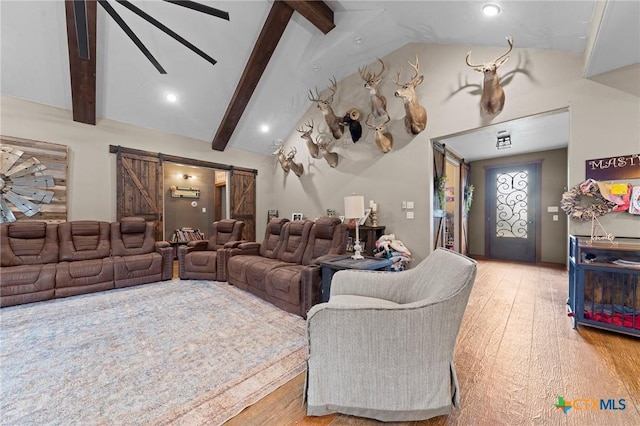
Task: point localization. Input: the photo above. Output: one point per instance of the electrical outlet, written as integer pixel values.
(204, 210)
(555, 217)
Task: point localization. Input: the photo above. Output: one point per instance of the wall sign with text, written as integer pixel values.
(614, 168)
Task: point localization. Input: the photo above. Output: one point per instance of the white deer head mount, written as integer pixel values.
(492, 99)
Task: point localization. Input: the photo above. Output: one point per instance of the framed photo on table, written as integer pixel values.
(364, 218)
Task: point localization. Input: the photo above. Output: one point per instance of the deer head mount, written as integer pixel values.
(324, 105)
(381, 135)
(306, 135)
(415, 120)
(282, 158)
(371, 82)
(297, 168)
(323, 142)
(492, 99)
(352, 120)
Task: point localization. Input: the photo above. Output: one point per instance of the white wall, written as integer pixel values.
(604, 122)
(91, 189)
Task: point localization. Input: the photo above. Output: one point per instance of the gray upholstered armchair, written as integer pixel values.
(382, 347)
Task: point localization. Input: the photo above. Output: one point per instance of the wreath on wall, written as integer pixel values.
(584, 201)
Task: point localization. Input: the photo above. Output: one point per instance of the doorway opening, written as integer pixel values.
(195, 197)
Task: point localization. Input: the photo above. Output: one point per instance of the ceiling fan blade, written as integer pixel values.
(22, 204)
(82, 30)
(134, 38)
(10, 156)
(6, 215)
(150, 19)
(201, 8)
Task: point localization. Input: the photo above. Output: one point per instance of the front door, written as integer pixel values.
(512, 207)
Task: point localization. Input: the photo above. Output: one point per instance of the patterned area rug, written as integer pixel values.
(176, 352)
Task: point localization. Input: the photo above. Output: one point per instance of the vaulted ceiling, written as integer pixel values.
(129, 88)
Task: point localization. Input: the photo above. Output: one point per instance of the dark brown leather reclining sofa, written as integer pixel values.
(42, 261)
(284, 269)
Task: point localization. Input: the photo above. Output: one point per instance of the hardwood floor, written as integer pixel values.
(516, 354)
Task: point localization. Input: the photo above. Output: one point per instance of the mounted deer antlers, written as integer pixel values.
(324, 105)
(415, 119)
(323, 142)
(298, 168)
(282, 158)
(371, 82)
(381, 136)
(492, 100)
(306, 135)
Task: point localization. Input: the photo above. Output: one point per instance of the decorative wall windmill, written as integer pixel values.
(23, 184)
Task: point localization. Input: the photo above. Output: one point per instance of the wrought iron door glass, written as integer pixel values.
(512, 204)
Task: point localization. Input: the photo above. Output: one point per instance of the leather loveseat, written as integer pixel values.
(284, 269)
(42, 261)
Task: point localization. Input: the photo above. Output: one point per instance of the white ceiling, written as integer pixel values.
(34, 57)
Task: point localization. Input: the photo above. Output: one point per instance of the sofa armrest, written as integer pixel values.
(234, 244)
(162, 244)
(198, 245)
(251, 248)
(166, 251)
(311, 290)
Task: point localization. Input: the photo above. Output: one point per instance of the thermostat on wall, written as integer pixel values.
(194, 204)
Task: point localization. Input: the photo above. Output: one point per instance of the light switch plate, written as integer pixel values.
(552, 209)
(409, 215)
(409, 204)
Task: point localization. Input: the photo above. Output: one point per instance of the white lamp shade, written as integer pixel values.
(354, 206)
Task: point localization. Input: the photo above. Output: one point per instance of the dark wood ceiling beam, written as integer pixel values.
(268, 39)
(316, 12)
(82, 71)
(272, 30)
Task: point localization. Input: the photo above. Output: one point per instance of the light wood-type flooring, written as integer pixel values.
(516, 354)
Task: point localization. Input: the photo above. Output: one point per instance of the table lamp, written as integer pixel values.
(354, 209)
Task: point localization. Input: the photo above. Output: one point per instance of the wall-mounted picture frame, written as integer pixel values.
(341, 218)
(271, 214)
(364, 218)
(296, 216)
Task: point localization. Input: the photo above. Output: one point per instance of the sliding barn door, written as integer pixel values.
(243, 201)
(140, 186)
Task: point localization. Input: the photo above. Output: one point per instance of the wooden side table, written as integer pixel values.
(330, 267)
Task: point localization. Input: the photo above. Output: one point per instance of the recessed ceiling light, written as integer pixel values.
(316, 67)
(358, 40)
(171, 97)
(491, 9)
(264, 128)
